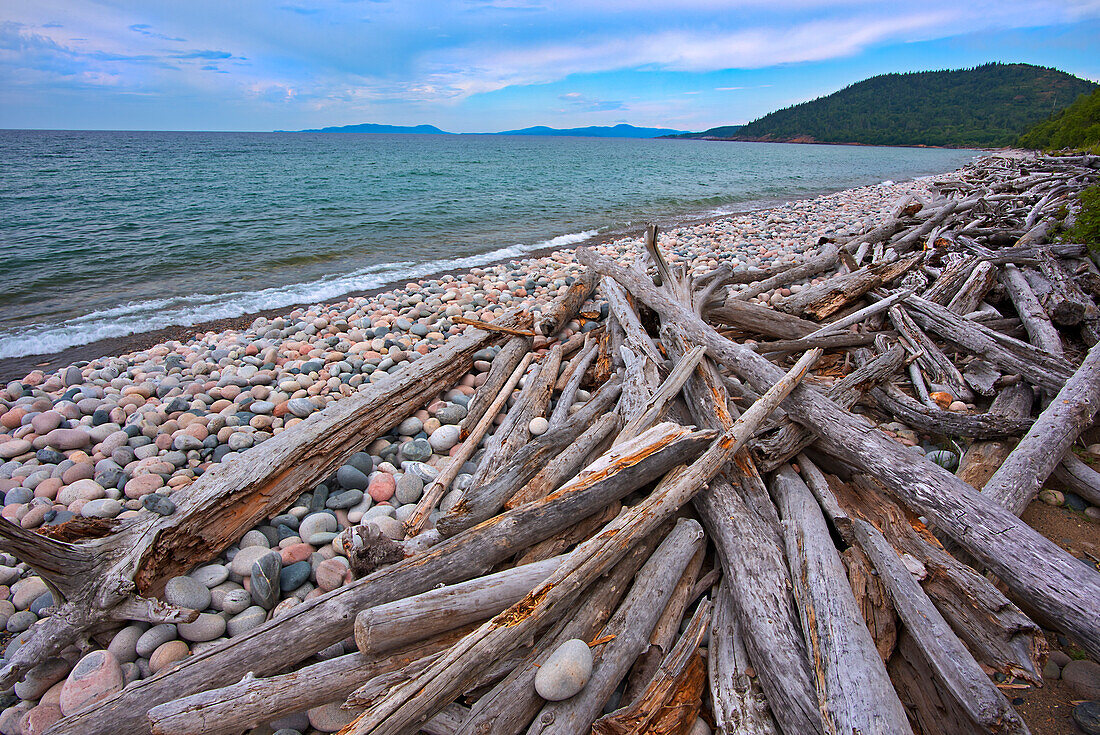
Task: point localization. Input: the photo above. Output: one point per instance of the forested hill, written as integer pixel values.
(989, 105)
(1077, 126)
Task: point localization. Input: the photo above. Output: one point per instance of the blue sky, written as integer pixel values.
(487, 65)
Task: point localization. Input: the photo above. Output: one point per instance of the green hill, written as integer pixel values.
(989, 105)
(1077, 126)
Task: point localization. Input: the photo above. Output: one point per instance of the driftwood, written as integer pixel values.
(950, 423)
(973, 291)
(1078, 477)
(567, 305)
(670, 703)
(1040, 572)
(277, 644)
(982, 458)
(1035, 319)
(832, 295)
(1026, 469)
(757, 319)
(854, 690)
(823, 261)
(739, 706)
(956, 670)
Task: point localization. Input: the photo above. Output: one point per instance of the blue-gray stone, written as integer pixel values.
(285, 519)
(452, 413)
(294, 575)
(346, 499)
(159, 504)
(177, 404)
(351, 478)
(41, 603)
(320, 497)
(49, 456)
(313, 366)
(362, 462)
(417, 450)
(265, 580)
(946, 459)
(1075, 502)
(60, 517)
(18, 495)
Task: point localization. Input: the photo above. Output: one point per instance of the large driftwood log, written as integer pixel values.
(568, 463)
(973, 291)
(403, 622)
(829, 297)
(510, 706)
(327, 619)
(949, 423)
(502, 366)
(628, 633)
(824, 261)
(568, 304)
(1026, 469)
(956, 670)
(1078, 477)
(105, 579)
(758, 319)
(1047, 578)
(853, 689)
(739, 706)
(670, 703)
(1036, 321)
(929, 355)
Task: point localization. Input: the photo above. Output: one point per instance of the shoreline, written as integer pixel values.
(16, 368)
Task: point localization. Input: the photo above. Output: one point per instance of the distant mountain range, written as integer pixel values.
(987, 106)
(617, 131)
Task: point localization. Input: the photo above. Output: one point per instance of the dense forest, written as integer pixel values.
(1077, 126)
(989, 105)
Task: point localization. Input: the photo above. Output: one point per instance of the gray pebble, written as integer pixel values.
(565, 672)
(187, 592)
(252, 617)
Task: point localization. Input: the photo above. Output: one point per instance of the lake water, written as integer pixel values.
(104, 234)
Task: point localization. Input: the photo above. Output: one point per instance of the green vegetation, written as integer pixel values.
(1086, 228)
(1077, 126)
(987, 106)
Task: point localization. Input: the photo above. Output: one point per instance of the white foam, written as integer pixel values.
(183, 311)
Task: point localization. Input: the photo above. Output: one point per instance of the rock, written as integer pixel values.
(443, 438)
(1051, 670)
(21, 621)
(153, 638)
(1075, 502)
(210, 576)
(565, 672)
(14, 448)
(345, 500)
(26, 591)
(409, 488)
(382, 487)
(101, 508)
(39, 719)
(330, 718)
(241, 565)
(245, 621)
(538, 426)
(67, 439)
(350, 478)
(168, 654)
(452, 413)
(946, 459)
(389, 527)
(124, 645)
(700, 727)
(316, 523)
(362, 462)
(95, 677)
(43, 676)
(301, 407)
(236, 601)
(293, 576)
(413, 426)
(264, 586)
(187, 592)
(254, 538)
(1087, 717)
(1051, 497)
(1059, 658)
(1083, 677)
(417, 450)
(330, 574)
(207, 627)
(158, 504)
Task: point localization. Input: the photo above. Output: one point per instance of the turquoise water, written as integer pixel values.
(104, 234)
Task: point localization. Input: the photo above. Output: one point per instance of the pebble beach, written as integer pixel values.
(122, 435)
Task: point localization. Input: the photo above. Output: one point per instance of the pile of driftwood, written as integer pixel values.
(729, 531)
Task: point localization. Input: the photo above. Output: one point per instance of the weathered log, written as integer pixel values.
(872, 600)
(758, 319)
(627, 632)
(511, 705)
(832, 295)
(948, 423)
(110, 579)
(252, 701)
(996, 632)
(982, 458)
(1024, 471)
(824, 261)
(670, 703)
(1048, 579)
(859, 315)
(853, 689)
(950, 280)
(436, 489)
(568, 463)
(664, 395)
(579, 366)
(738, 704)
(619, 303)
(502, 366)
(327, 619)
(929, 355)
(1035, 319)
(1039, 367)
(481, 502)
(828, 342)
(1078, 477)
(562, 541)
(1064, 302)
(403, 622)
(424, 694)
(956, 670)
(981, 376)
(931, 711)
(973, 291)
(568, 304)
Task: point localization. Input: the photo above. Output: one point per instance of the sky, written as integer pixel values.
(490, 65)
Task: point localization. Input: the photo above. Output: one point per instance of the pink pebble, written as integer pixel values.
(382, 487)
(296, 553)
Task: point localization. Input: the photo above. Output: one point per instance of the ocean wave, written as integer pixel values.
(183, 311)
